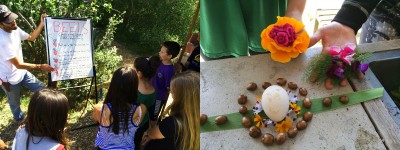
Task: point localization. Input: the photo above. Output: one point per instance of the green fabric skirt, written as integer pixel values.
(232, 27)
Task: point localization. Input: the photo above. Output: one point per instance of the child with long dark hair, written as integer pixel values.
(43, 127)
(120, 115)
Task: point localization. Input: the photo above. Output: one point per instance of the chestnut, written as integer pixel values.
(265, 85)
(292, 132)
(221, 120)
(246, 122)
(307, 103)
(255, 131)
(267, 139)
(252, 86)
(203, 118)
(301, 125)
(292, 86)
(307, 116)
(242, 99)
(327, 101)
(344, 99)
(243, 109)
(303, 91)
(281, 81)
(280, 138)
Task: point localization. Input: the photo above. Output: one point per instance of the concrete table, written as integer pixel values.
(222, 81)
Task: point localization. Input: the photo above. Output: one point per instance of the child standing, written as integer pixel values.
(163, 76)
(120, 115)
(145, 69)
(43, 128)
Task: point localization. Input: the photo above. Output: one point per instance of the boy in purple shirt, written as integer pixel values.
(162, 78)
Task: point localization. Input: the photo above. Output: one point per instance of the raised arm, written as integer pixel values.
(38, 30)
(295, 9)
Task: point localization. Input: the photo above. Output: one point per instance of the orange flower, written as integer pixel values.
(295, 108)
(284, 126)
(285, 39)
(258, 120)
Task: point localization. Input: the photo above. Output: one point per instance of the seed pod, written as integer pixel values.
(307, 116)
(265, 85)
(246, 122)
(327, 101)
(303, 91)
(243, 109)
(292, 132)
(203, 118)
(292, 85)
(344, 99)
(301, 125)
(307, 103)
(221, 120)
(252, 86)
(242, 99)
(280, 138)
(281, 81)
(254, 132)
(267, 139)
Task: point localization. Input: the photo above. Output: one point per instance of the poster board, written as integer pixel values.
(69, 46)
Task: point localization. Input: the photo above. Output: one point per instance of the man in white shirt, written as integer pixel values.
(13, 69)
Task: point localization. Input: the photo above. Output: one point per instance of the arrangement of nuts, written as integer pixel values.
(307, 103)
(251, 86)
(203, 118)
(247, 122)
(281, 81)
(243, 109)
(344, 99)
(265, 85)
(327, 101)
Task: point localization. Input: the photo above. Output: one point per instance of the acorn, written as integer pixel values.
(252, 86)
(203, 118)
(265, 85)
(344, 99)
(243, 109)
(292, 132)
(242, 99)
(292, 85)
(267, 139)
(303, 91)
(254, 132)
(307, 103)
(327, 101)
(281, 81)
(280, 138)
(246, 121)
(301, 125)
(307, 116)
(221, 120)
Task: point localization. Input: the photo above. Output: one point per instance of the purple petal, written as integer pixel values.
(363, 68)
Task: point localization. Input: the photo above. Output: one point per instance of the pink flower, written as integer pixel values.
(283, 36)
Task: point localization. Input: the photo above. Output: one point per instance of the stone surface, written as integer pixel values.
(222, 80)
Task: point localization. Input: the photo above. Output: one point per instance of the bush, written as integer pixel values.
(147, 24)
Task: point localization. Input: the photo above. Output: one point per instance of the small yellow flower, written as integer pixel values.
(295, 108)
(284, 126)
(258, 120)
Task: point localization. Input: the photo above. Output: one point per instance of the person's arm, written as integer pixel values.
(345, 25)
(295, 9)
(20, 65)
(38, 30)
(354, 13)
(97, 112)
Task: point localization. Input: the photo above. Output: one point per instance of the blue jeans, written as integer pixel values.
(14, 97)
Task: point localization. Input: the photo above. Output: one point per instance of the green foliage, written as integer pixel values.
(320, 63)
(148, 23)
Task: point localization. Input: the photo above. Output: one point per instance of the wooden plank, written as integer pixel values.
(387, 128)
